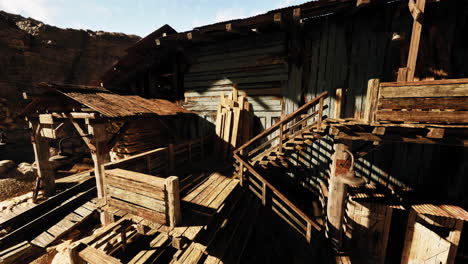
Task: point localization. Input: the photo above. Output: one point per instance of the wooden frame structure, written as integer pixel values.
(88, 109)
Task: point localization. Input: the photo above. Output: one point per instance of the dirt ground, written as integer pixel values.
(17, 181)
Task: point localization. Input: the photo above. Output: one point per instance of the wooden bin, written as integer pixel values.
(153, 198)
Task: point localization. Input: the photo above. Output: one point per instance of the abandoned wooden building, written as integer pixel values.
(335, 131)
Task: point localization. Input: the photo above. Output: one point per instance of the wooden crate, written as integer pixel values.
(151, 197)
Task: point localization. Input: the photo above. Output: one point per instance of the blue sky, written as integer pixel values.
(139, 17)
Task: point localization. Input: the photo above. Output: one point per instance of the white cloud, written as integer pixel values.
(285, 3)
(230, 13)
(37, 9)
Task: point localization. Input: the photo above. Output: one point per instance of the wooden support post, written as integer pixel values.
(100, 156)
(337, 194)
(371, 100)
(170, 157)
(454, 238)
(418, 9)
(45, 171)
(338, 103)
(408, 236)
(173, 200)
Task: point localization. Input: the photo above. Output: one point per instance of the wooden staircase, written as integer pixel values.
(275, 147)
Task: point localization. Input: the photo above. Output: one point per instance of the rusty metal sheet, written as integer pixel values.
(444, 210)
(111, 105)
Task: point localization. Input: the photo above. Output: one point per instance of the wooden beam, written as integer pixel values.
(76, 115)
(277, 18)
(415, 38)
(45, 172)
(237, 30)
(83, 135)
(100, 155)
(453, 103)
(360, 3)
(338, 103)
(379, 131)
(436, 132)
(198, 36)
(297, 14)
(173, 201)
(46, 119)
(337, 194)
(442, 117)
(118, 135)
(371, 100)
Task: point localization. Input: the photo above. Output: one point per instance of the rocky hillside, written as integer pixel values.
(31, 52)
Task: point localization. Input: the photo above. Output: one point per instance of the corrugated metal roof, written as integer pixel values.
(113, 105)
(444, 210)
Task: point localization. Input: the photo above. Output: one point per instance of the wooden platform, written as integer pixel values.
(215, 214)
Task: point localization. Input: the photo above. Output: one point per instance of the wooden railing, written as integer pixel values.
(280, 204)
(162, 161)
(436, 102)
(286, 128)
(309, 116)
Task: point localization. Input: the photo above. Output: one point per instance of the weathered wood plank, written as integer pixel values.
(92, 255)
(141, 188)
(430, 90)
(135, 198)
(423, 116)
(137, 177)
(424, 103)
(138, 210)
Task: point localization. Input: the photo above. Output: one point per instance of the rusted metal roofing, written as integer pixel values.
(113, 105)
(444, 210)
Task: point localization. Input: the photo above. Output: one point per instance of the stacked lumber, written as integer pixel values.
(141, 136)
(233, 123)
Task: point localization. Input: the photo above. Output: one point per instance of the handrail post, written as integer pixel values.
(280, 149)
(308, 232)
(320, 114)
(241, 170)
(264, 193)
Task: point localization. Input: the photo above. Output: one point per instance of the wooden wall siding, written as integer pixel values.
(257, 65)
(368, 228)
(345, 52)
